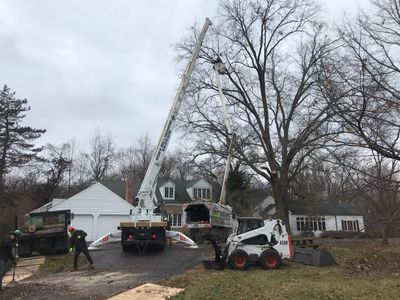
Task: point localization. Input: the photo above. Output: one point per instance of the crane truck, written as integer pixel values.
(147, 227)
(254, 240)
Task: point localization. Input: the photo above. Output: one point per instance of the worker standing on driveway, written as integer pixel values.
(77, 241)
(6, 255)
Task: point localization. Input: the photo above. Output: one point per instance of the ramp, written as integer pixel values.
(313, 257)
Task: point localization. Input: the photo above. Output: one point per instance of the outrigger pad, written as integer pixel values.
(314, 257)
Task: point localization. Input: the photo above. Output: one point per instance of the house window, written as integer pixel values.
(350, 225)
(168, 193)
(313, 223)
(175, 219)
(203, 193)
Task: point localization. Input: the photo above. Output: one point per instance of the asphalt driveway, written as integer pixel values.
(115, 272)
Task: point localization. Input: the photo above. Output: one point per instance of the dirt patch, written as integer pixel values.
(31, 290)
(370, 267)
(366, 256)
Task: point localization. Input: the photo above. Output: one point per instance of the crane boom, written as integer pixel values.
(220, 68)
(146, 194)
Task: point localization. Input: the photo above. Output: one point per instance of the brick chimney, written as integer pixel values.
(129, 196)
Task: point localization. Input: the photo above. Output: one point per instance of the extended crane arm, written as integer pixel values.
(146, 193)
(220, 68)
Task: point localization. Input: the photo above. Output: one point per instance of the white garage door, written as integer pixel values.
(85, 223)
(109, 223)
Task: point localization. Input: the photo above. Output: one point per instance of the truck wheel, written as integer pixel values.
(239, 259)
(270, 259)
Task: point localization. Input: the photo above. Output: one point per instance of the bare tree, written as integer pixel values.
(366, 85)
(376, 188)
(273, 51)
(178, 165)
(382, 193)
(136, 158)
(71, 149)
(101, 157)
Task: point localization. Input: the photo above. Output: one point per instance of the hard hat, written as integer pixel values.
(17, 232)
(71, 228)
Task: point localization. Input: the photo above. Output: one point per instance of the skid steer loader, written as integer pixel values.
(254, 241)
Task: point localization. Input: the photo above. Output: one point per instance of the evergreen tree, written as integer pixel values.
(16, 141)
(237, 187)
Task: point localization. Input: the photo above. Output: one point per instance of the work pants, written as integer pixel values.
(2, 271)
(84, 251)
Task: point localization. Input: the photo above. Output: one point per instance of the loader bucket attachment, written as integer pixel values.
(220, 258)
(313, 257)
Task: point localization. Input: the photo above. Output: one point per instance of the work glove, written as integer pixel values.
(79, 237)
(70, 250)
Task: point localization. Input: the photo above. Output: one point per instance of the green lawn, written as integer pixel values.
(365, 270)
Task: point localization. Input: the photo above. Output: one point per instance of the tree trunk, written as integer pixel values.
(385, 234)
(281, 196)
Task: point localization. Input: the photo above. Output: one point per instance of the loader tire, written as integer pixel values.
(239, 259)
(270, 259)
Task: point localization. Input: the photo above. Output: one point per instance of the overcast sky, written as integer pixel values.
(107, 65)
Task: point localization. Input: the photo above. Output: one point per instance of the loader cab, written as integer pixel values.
(248, 224)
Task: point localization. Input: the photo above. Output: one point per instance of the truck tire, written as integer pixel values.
(239, 259)
(270, 259)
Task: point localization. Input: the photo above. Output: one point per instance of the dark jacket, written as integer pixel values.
(6, 250)
(77, 239)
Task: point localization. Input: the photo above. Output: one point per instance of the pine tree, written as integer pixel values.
(16, 141)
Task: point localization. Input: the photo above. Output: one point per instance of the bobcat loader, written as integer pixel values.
(254, 241)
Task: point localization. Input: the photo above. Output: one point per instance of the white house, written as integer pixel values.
(319, 215)
(100, 208)
(97, 210)
(173, 194)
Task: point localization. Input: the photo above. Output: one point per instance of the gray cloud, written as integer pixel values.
(107, 65)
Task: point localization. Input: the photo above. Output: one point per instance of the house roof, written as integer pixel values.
(96, 199)
(310, 208)
(313, 208)
(48, 205)
(181, 195)
(118, 187)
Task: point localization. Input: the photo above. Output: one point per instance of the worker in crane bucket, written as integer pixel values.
(6, 254)
(77, 241)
